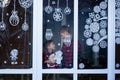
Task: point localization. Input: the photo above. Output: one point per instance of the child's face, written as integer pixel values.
(64, 34)
(51, 46)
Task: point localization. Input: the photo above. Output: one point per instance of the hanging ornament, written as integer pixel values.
(67, 10)
(48, 34)
(4, 3)
(48, 8)
(67, 41)
(14, 19)
(58, 15)
(25, 3)
(14, 56)
(2, 23)
(25, 25)
(2, 26)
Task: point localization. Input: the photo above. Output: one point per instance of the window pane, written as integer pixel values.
(117, 37)
(58, 34)
(117, 77)
(57, 77)
(92, 77)
(15, 34)
(92, 47)
(15, 77)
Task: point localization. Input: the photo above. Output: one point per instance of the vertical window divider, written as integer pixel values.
(75, 75)
(39, 31)
(111, 39)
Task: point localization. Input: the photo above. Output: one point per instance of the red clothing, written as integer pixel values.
(46, 57)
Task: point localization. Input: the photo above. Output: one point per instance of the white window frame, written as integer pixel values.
(37, 70)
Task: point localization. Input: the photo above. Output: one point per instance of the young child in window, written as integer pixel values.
(67, 47)
(49, 55)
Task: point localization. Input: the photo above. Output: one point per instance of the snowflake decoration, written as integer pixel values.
(87, 27)
(117, 12)
(96, 36)
(117, 27)
(103, 24)
(96, 24)
(81, 65)
(58, 57)
(89, 41)
(103, 44)
(89, 21)
(97, 9)
(94, 27)
(117, 40)
(103, 13)
(103, 32)
(87, 33)
(91, 15)
(103, 5)
(117, 3)
(96, 48)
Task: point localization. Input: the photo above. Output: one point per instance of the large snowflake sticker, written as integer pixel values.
(96, 27)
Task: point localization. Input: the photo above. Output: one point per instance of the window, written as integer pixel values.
(44, 27)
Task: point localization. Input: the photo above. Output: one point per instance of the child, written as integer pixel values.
(67, 61)
(49, 56)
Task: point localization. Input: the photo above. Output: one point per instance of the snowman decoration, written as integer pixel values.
(58, 57)
(14, 56)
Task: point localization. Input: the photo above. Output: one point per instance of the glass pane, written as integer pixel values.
(117, 77)
(15, 33)
(57, 77)
(92, 77)
(92, 47)
(15, 77)
(58, 34)
(117, 37)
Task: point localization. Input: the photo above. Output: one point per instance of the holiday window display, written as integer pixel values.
(56, 46)
(16, 42)
(94, 36)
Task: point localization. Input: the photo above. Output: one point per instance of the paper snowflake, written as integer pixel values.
(103, 32)
(89, 41)
(103, 44)
(87, 33)
(96, 36)
(96, 48)
(94, 27)
(89, 21)
(97, 9)
(103, 5)
(103, 23)
(103, 13)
